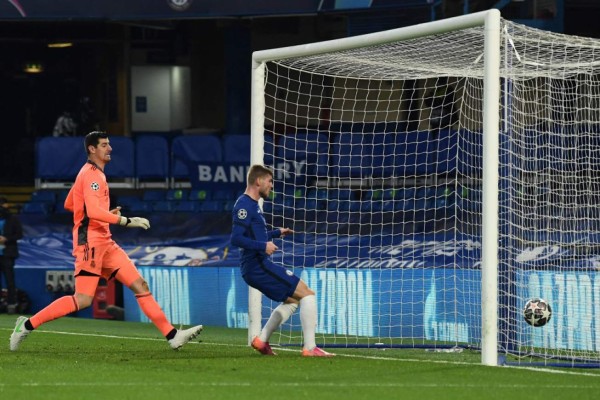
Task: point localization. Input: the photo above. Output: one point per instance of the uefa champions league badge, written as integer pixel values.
(95, 186)
(242, 214)
(179, 5)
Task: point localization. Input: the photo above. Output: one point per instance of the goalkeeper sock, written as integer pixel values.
(279, 315)
(152, 310)
(58, 308)
(308, 318)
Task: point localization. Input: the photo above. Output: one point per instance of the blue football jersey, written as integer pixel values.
(249, 231)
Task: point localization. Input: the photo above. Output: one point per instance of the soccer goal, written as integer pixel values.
(438, 177)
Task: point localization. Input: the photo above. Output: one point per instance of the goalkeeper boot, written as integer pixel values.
(19, 333)
(316, 352)
(184, 335)
(262, 347)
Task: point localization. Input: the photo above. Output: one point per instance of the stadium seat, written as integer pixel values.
(53, 171)
(351, 156)
(191, 151)
(176, 194)
(36, 208)
(44, 196)
(268, 207)
(163, 206)
(317, 198)
(154, 195)
(120, 172)
(268, 149)
(236, 149)
(371, 206)
(228, 205)
(141, 206)
(414, 155)
(221, 194)
(444, 197)
(446, 154)
(306, 148)
(186, 206)
(199, 195)
(59, 205)
(151, 161)
(469, 153)
(126, 200)
(211, 206)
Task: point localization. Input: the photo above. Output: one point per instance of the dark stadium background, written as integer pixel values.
(214, 38)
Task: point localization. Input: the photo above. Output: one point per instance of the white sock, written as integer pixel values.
(308, 318)
(279, 315)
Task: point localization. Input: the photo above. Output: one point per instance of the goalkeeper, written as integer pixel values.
(277, 283)
(97, 255)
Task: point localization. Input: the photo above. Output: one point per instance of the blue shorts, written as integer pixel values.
(274, 281)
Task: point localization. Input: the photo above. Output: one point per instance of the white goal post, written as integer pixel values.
(426, 170)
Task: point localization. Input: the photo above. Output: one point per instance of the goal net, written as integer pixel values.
(438, 178)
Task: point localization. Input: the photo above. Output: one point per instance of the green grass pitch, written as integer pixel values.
(87, 359)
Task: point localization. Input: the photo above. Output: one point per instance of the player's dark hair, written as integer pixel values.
(93, 138)
(258, 171)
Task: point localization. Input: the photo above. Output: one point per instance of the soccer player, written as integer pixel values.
(250, 233)
(97, 255)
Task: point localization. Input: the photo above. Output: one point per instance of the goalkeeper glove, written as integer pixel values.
(134, 222)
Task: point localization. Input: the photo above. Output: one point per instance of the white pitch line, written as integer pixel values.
(291, 384)
(533, 369)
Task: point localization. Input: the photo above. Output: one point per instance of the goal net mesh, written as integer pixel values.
(377, 154)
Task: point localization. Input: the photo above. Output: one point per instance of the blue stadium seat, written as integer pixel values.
(211, 206)
(194, 150)
(304, 147)
(163, 206)
(51, 169)
(126, 200)
(36, 208)
(141, 206)
(268, 149)
(221, 194)
(341, 194)
(268, 207)
(199, 195)
(373, 195)
(469, 153)
(369, 206)
(444, 197)
(236, 149)
(414, 154)
(400, 193)
(122, 163)
(228, 205)
(446, 159)
(59, 205)
(352, 155)
(154, 195)
(187, 206)
(151, 161)
(176, 194)
(45, 196)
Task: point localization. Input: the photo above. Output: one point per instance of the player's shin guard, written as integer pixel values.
(308, 318)
(279, 315)
(152, 310)
(58, 308)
